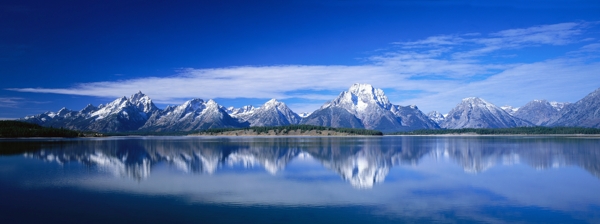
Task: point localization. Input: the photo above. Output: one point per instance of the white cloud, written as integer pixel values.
(443, 69)
(10, 102)
(556, 80)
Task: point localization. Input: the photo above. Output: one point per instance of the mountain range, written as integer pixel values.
(361, 106)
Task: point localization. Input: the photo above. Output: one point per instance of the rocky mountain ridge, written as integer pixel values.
(364, 106)
(474, 112)
(361, 106)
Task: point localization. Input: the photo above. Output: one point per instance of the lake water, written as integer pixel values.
(387, 179)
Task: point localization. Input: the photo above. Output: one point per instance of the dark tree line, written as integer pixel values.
(15, 129)
(506, 131)
(287, 128)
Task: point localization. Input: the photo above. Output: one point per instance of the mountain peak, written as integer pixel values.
(474, 112)
(478, 102)
(143, 102)
(212, 103)
(272, 102)
(436, 116)
(360, 87)
(473, 99)
(193, 104)
(63, 111)
(137, 96)
(88, 109)
(360, 97)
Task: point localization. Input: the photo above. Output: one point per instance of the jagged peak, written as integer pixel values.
(193, 103)
(118, 101)
(378, 95)
(139, 93)
(88, 108)
(213, 107)
(360, 87)
(359, 97)
(140, 98)
(63, 111)
(212, 103)
(272, 103)
(470, 99)
(476, 100)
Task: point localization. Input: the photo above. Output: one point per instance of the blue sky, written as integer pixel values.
(427, 53)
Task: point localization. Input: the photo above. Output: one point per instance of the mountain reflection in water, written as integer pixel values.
(363, 162)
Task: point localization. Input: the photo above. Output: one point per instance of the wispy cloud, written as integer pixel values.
(556, 79)
(442, 69)
(10, 102)
(479, 45)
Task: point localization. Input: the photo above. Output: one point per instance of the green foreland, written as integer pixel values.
(290, 130)
(17, 129)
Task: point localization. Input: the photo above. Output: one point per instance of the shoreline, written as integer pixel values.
(507, 135)
(271, 133)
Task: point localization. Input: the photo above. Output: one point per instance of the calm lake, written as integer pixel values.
(387, 179)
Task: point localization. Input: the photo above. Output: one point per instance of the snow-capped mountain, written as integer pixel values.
(361, 106)
(245, 110)
(559, 105)
(122, 114)
(192, 115)
(364, 106)
(412, 118)
(474, 112)
(333, 117)
(583, 113)
(538, 112)
(272, 113)
(510, 109)
(436, 116)
(304, 114)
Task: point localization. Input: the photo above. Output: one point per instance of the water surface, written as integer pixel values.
(301, 179)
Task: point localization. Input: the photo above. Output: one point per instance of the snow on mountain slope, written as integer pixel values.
(372, 109)
(509, 109)
(538, 112)
(583, 113)
(272, 113)
(436, 116)
(474, 112)
(192, 115)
